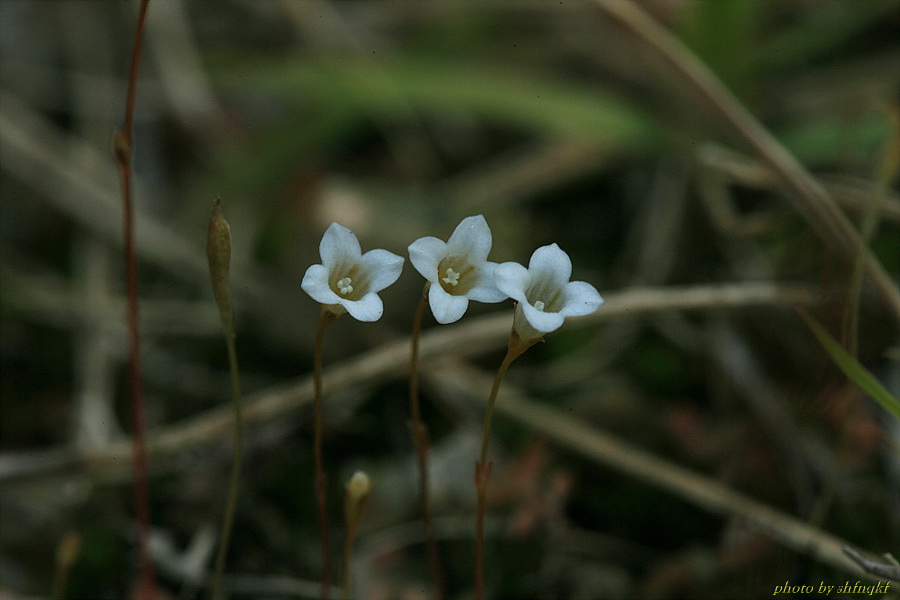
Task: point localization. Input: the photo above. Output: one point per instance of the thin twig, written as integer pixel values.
(321, 483)
(579, 437)
(888, 570)
(420, 439)
(807, 194)
(474, 336)
(123, 143)
(483, 467)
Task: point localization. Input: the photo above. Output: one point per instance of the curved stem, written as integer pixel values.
(237, 461)
(349, 539)
(414, 408)
(420, 438)
(482, 476)
(326, 319)
(488, 416)
(348, 553)
(483, 469)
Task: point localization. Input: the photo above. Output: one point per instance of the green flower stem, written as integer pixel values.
(517, 346)
(420, 438)
(230, 507)
(326, 318)
(349, 539)
(218, 251)
(67, 552)
(348, 553)
(356, 498)
(885, 178)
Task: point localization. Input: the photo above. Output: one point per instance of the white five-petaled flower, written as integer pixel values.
(544, 293)
(348, 280)
(457, 269)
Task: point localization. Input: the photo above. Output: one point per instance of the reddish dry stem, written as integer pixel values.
(420, 434)
(420, 438)
(123, 145)
(482, 478)
(321, 480)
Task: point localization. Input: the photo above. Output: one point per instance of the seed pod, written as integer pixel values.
(218, 250)
(357, 495)
(68, 550)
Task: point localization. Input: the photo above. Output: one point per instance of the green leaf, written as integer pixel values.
(851, 367)
(824, 31)
(831, 138)
(535, 102)
(724, 35)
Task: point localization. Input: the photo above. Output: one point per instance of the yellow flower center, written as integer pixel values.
(457, 275)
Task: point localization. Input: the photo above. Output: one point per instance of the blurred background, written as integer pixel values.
(398, 119)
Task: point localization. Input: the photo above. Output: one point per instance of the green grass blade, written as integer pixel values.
(851, 367)
(823, 31)
(533, 102)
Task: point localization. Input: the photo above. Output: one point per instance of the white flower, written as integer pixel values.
(348, 280)
(458, 269)
(544, 293)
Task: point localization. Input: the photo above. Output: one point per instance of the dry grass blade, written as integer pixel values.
(579, 437)
(472, 337)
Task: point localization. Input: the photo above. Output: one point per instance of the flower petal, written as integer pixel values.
(473, 237)
(551, 263)
(339, 245)
(512, 279)
(445, 307)
(486, 289)
(382, 267)
(581, 298)
(368, 308)
(426, 254)
(545, 322)
(315, 283)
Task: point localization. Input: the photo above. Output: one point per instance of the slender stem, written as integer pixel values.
(414, 361)
(420, 438)
(884, 179)
(349, 539)
(348, 552)
(237, 461)
(326, 319)
(486, 430)
(483, 469)
(60, 580)
(887, 174)
(122, 147)
(482, 476)
(356, 497)
(66, 554)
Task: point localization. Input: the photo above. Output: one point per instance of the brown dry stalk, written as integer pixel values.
(122, 146)
(420, 439)
(326, 319)
(474, 336)
(579, 437)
